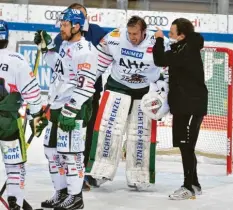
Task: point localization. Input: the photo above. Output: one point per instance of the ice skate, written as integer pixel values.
(72, 202)
(182, 194)
(58, 198)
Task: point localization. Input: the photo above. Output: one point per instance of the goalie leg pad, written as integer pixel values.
(71, 142)
(56, 170)
(108, 135)
(140, 155)
(14, 152)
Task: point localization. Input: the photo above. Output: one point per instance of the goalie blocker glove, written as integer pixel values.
(38, 122)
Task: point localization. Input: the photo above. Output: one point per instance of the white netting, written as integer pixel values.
(212, 141)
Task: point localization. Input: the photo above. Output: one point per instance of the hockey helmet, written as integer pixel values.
(4, 31)
(74, 16)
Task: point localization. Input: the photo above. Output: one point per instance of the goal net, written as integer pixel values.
(215, 137)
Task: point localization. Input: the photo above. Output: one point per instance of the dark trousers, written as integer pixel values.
(185, 132)
(90, 126)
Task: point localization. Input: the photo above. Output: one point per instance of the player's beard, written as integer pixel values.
(64, 36)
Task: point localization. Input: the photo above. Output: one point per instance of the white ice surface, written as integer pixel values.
(217, 187)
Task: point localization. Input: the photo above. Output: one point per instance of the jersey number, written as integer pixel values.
(81, 80)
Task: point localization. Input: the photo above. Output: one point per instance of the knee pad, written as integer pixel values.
(71, 142)
(14, 152)
(140, 154)
(108, 135)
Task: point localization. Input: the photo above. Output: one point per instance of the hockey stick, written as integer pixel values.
(35, 71)
(4, 203)
(51, 99)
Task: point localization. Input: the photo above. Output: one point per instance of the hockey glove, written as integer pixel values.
(44, 39)
(38, 122)
(66, 120)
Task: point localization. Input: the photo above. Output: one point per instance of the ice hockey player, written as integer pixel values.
(132, 76)
(93, 33)
(17, 83)
(75, 68)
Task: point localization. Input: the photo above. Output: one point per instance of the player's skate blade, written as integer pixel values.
(57, 199)
(182, 194)
(72, 202)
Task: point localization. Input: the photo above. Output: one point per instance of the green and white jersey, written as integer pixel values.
(132, 66)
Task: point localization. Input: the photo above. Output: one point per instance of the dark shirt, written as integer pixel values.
(188, 93)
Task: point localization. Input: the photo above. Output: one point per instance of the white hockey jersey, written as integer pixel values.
(18, 77)
(75, 66)
(132, 66)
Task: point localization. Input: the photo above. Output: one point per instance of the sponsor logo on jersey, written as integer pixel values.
(11, 153)
(62, 53)
(134, 79)
(149, 50)
(77, 140)
(16, 56)
(84, 66)
(62, 141)
(132, 53)
(115, 33)
(113, 43)
(79, 46)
